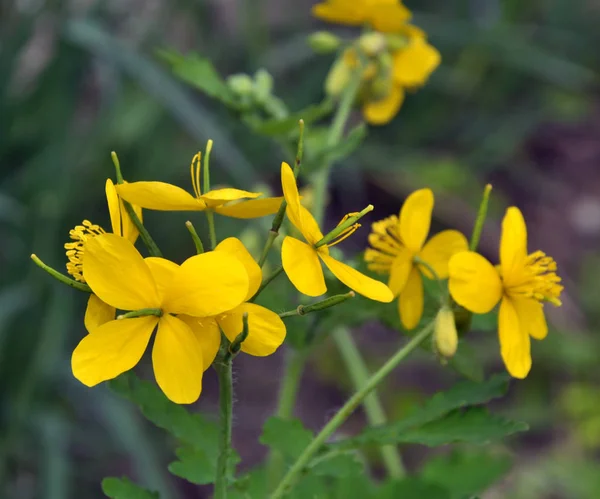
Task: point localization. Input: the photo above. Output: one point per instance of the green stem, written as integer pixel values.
(340, 417)
(375, 414)
(336, 131)
(480, 220)
(61, 277)
(288, 391)
(195, 237)
(210, 217)
(278, 219)
(339, 230)
(266, 282)
(332, 301)
(225, 404)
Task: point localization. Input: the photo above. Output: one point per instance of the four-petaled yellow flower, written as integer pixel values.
(521, 283)
(382, 15)
(398, 245)
(301, 261)
(167, 197)
(204, 286)
(98, 312)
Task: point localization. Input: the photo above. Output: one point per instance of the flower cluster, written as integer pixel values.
(201, 308)
(521, 283)
(391, 57)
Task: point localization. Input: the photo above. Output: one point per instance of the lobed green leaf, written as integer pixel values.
(123, 488)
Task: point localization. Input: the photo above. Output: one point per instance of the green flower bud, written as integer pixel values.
(241, 84)
(372, 43)
(338, 78)
(324, 42)
(263, 85)
(445, 335)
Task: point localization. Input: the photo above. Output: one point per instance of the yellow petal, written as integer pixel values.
(159, 196)
(266, 331)
(389, 17)
(400, 270)
(97, 313)
(474, 282)
(302, 266)
(111, 349)
(207, 285)
(514, 341)
(117, 273)
(415, 218)
(531, 317)
(340, 12)
(207, 333)
(162, 271)
(177, 361)
(414, 64)
(114, 210)
(513, 243)
(439, 249)
(410, 303)
(217, 197)
(254, 208)
(372, 289)
(381, 111)
(234, 247)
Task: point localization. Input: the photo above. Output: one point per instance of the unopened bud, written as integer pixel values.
(338, 78)
(372, 43)
(446, 337)
(324, 42)
(241, 84)
(263, 85)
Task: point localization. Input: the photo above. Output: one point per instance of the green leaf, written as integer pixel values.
(199, 436)
(339, 466)
(465, 474)
(466, 362)
(289, 124)
(411, 488)
(200, 73)
(287, 436)
(463, 394)
(123, 488)
(342, 150)
(473, 425)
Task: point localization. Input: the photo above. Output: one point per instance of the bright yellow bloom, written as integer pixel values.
(382, 15)
(411, 66)
(203, 286)
(97, 311)
(167, 197)
(398, 243)
(301, 261)
(521, 283)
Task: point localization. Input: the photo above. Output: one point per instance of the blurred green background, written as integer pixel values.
(514, 103)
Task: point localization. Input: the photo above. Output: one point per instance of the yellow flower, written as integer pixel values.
(398, 243)
(167, 197)
(301, 261)
(521, 283)
(203, 286)
(410, 68)
(382, 15)
(97, 311)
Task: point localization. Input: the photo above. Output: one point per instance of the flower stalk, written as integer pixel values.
(321, 305)
(278, 219)
(197, 241)
(226, 416)
(480, 220)
(144, 234)
(61, 277)
(348, 408)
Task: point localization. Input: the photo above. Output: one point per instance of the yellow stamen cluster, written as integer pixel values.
(346, 232)
(195, 166)
(80, 234)
(386, 244)
(537, 279)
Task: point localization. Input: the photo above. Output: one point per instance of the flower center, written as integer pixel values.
(195, 166)
(537, 279)
(75, 250)
(347, 232)
(386, 244)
